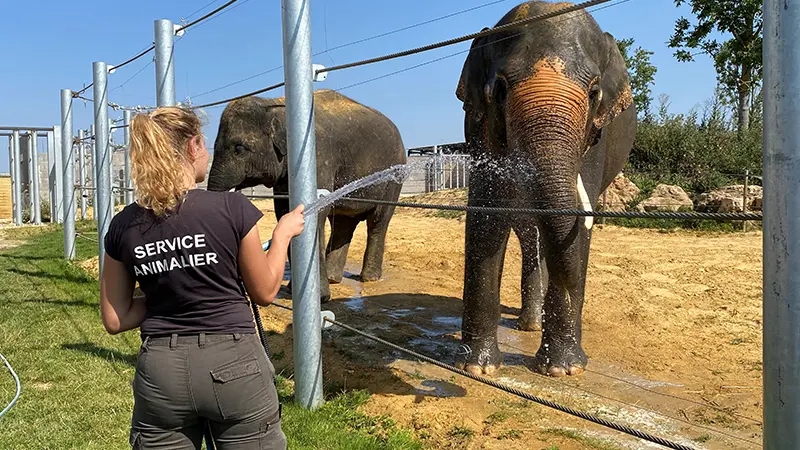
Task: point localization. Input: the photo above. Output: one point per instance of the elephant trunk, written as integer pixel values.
(547, 117)
(218, 179)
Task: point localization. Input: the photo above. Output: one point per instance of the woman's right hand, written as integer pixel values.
(291, 224)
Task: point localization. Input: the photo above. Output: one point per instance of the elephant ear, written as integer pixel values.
(474, 52)
(278, 133)
(615, 84)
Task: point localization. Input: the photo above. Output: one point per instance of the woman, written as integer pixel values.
(200, 363)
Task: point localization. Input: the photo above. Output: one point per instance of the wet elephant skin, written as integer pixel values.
(549, 120)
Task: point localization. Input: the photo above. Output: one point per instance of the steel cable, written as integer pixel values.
(195, 22)
(360, 41)
(565, 409)
(550, 212)
(429, 47)
(486, 32)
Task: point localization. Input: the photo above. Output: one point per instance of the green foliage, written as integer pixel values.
(642, 74)
(698, 153)
(738, 58)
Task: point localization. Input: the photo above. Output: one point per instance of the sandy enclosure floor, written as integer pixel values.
(672, 327)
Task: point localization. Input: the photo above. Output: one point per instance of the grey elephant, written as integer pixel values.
(352, 141)
(549, 119)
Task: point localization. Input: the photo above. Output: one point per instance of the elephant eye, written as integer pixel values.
(240, 149)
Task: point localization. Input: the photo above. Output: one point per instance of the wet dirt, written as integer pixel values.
(672, 327)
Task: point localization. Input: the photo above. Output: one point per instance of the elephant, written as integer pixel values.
(352, 141)
(549, 120)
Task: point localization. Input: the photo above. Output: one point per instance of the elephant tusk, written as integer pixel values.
(588, 221)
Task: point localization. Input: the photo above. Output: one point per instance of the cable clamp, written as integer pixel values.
(327, 315)
(317, 75)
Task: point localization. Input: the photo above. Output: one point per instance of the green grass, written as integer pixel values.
(76, 378)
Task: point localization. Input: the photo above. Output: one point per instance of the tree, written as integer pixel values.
(738, 59)
(642, 74)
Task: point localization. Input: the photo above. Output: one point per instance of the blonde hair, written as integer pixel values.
(159, 141)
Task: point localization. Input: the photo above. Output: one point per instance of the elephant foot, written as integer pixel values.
(370, 274)
(479, 358)
(335, 280)
(558, 360)
(366, 277)
(529, 322)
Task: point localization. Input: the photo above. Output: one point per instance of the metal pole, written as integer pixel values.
(51, 175)
(68, 176)
(781, 155)
(112, 175)
(58, 200)
(17, 154)
(37, 200)
(126, 118)
(165, 62)
(301, 141)
(93, 172)
(82, 170)
(29, 159)
(102, 210)
(11, 166)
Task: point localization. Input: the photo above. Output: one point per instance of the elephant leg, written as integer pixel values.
(534, 277)
(561, 352)
(342, 229)
(485, 248)
(377, 227)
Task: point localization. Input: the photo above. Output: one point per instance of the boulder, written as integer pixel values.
(619, 194)
(666, 197)
(729, 199)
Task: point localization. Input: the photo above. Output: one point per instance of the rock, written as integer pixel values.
(666, 197)
(619, 194)
(729, 199)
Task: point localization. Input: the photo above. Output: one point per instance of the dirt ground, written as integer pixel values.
(672, 327)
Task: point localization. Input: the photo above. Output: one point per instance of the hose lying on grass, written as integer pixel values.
(19, 386)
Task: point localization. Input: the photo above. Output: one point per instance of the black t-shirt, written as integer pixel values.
(187, 263)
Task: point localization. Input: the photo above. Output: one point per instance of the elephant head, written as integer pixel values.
(250, 148)
(542, 94)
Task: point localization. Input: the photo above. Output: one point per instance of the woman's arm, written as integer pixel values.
(119, 310)
(262, 274)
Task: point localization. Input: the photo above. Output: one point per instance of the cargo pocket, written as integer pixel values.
(239, 389)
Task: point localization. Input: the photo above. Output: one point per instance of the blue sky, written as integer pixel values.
(55, 47)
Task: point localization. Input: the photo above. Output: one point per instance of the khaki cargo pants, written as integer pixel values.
(185, 385)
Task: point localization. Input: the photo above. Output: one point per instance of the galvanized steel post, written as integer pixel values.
(51, 175)
(17, 154)
(102, 210)
(781, 153)
(33, 148)
(126, 183)
(165, 62)
(56, 199)
(13, 175)
(93, 172)
(301, 141)
(68, 176)
(82, 170)
(29, 166)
